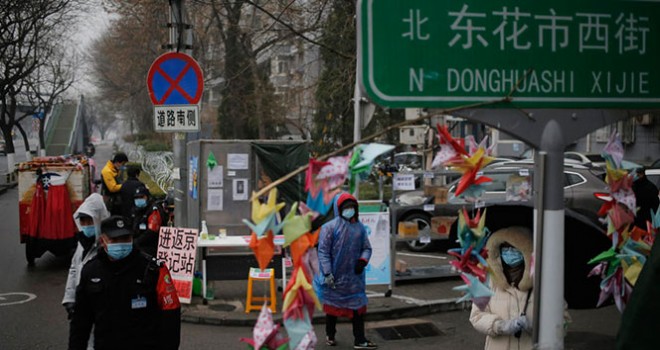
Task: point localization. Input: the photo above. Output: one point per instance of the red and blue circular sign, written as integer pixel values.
(175, 79)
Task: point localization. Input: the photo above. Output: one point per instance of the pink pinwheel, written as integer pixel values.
(265, 332)
(473, 147)
(313, 169)
(613, 150)
(446, 138)
(335, 172)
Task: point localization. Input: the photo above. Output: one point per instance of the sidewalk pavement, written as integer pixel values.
(406, 300)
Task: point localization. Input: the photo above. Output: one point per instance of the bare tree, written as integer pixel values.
(121, 57)
(47, 83)
(27, 30)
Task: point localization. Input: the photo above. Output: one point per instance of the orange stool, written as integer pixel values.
(259, 275)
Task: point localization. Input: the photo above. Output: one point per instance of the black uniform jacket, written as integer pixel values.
(131, 303)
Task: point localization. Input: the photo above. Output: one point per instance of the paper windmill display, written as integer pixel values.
(335, 172)
(298, 307)
(265, 334)
(620, 266)
(469, 164)
(474, 290)
(263, 249)
(261, 212)
(472, 236)
(294, 226)
(363, 159)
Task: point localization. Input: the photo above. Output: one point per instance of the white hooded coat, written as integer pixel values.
(94, 207)
(508, 301)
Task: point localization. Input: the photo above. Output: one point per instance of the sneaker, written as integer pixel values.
(366, 345)
(330, 341)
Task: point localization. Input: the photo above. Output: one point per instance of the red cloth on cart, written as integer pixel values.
(58, 222)
(37, 210)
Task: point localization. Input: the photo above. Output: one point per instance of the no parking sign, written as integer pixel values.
(176, 83)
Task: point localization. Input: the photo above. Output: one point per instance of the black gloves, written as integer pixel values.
(359, 266)
(69, 309)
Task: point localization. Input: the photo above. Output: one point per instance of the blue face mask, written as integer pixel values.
(140, 202)
(348, 213)
(89, 231)
(512, 256)
(118, 251)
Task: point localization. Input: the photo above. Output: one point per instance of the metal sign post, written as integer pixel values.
(176, 84)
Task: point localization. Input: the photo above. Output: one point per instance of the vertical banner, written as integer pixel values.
(379, 270)
(177, 247)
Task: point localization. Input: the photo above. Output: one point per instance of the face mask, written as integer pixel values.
(89, 231)
(348, 213)
(512, 256)
(140, 202)
(118, 251)
(635, 177)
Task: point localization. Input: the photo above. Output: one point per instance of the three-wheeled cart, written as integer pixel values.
(50, 189)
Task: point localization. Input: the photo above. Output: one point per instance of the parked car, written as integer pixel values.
(588, 159)
(411, 160)
(655, 165)
(582, 189)
(654, 176)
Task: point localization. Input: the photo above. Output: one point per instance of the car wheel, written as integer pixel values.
(423, 223)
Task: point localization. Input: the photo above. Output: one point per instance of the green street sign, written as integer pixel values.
(555, 54)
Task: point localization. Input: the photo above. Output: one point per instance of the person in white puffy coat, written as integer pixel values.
(88, 218)
(507, 319)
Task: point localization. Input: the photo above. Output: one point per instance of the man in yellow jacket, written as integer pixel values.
(111, 186)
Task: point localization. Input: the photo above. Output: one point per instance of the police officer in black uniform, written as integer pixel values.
(126, 296)
(147, 217)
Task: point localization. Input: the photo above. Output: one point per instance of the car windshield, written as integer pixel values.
(595, 157)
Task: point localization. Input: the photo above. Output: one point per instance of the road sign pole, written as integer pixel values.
(357, 131)
(549, 239)
(179, 138)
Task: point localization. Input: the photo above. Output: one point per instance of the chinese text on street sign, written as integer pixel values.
(559, 54)
(176, 84)
(177, 248)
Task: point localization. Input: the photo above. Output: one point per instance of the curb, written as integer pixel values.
(240, 319)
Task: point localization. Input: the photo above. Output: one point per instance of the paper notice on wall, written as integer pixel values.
(214, 178)
(240, 190)
(404, 182)
(237, 161)
(214, 199)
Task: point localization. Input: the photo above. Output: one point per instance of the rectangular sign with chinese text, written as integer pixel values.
(173, 118)
(379, 270)
(554, 54)
(177, 247)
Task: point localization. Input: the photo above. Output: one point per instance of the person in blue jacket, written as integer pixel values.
(344, 252)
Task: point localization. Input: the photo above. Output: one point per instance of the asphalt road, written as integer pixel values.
(19, 147)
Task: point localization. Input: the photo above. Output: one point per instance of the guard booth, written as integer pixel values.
(222, 174)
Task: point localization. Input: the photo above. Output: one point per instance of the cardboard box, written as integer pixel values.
(439, 192)
(441, 225)
(401, 266)
(408, 229)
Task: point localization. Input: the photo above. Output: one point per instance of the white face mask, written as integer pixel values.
(348, 213)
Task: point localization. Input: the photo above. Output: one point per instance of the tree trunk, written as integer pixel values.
(28, 154)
